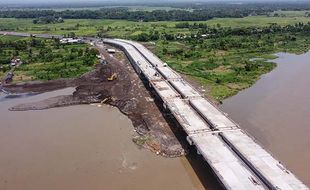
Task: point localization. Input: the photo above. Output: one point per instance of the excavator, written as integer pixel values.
(112, 77)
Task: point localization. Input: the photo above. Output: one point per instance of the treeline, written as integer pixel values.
(204, 12)
(153, 36)
(203, 31)
(255, 5)
(198, 12)
(124, 13)
(48, 20)
(219, 31)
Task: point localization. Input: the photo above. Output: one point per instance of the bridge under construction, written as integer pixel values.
(237, 160)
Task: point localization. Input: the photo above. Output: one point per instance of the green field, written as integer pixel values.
(150, 8)
(226, 72)
(291, 13)
(222, 64)
(123, 28)
(131, 8)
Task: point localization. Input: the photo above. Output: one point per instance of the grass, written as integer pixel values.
(141, 140)
(123, 28)
(226, 72)
(291, 13)
(2, 74)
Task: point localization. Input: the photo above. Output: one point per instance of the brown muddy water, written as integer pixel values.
(276, 110)
(84, 147)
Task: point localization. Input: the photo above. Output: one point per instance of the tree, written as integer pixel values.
(165, 51)
(93, 52)
(87, 60)
(168, 37)
(71, 35)
(80, 52)
(16, 53)
(143, 37)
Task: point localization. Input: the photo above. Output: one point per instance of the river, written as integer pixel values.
(276, 111)
(85, 147)
(90, 147)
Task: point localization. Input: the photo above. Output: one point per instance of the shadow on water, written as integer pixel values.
(197, 162)
(203, 170)
(200, 167)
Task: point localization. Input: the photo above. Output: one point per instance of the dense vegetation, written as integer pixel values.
(202, 30)
(218, 53)
(198, 13)
(45, 59)
(228, 60)
(125, 29)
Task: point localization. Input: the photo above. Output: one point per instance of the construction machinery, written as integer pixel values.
(112, 77)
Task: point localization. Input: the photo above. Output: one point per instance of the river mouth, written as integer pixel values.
(276, 112)
(85, 147)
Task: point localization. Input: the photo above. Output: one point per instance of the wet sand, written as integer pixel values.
(84, 147)
(276, 110)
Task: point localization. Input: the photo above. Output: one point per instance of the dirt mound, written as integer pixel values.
(155, 129)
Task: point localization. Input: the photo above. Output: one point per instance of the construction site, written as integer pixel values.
(235, 158)
(168, 113)
(114, 84)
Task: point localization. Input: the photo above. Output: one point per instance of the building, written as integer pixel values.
(70, 41)
(111, 50)
(204, 35)
(16, 62)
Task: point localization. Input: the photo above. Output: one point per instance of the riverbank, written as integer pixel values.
(141, 141)
(225, 72)
(85, 147)
(156, 131)
(275, 110)
(219, 54)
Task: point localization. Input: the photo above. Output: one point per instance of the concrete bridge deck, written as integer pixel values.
(236, 159)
